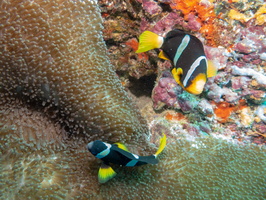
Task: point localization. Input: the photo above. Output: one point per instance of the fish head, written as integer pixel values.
(97, 147)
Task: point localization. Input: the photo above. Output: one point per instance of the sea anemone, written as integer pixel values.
(58, 92)
(53, 58)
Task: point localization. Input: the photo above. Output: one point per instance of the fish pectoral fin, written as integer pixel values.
(121, 146)
(162, 55)
(149, 40)
(162, 145)
(105, 173)
(212, 69)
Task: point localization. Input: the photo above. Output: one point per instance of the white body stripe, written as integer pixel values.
(181, 48)
(104, 152)
(160, 41)
(136, 156)
(192, 69)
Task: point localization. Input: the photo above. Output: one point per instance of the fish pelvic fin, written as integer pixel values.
(149, 40)
(177, 73)
(162, 145)
(163, 56)
(105, 173)
(212, 69)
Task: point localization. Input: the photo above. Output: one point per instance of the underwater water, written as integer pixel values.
(70, 75)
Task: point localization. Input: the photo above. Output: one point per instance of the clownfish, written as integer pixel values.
(118, 153)
(190, 66)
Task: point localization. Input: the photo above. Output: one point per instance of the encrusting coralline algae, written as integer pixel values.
(233, 34)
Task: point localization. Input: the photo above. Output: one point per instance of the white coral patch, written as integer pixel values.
(260, 78)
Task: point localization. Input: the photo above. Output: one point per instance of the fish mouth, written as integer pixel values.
(89, 146)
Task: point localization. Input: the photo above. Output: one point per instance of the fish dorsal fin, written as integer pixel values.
(197, 84)
(177, 75)
(162, 55)
(212, 69)
(162, 145)
(125, 153)
(121, 146)
(105, 173)
(149, 40)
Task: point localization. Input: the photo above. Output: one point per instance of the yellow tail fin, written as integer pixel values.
(149, 40)
(162, 145)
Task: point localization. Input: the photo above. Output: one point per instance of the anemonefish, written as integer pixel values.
(118, 153)
(190, 66)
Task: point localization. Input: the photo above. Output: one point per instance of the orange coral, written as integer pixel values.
(174, 116)
(224, 110)
(133, 43)
(204, 13)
